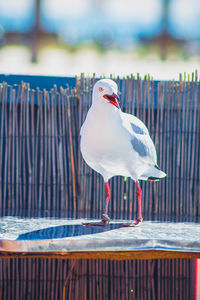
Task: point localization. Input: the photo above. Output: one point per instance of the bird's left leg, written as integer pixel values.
(105, 214)
(105, 219)
(139, 220)
(139, 197)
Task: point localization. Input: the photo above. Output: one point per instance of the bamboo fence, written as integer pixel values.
(42, 173)
(50, 279)
(41, 168)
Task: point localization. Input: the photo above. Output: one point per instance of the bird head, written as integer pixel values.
(106, 91)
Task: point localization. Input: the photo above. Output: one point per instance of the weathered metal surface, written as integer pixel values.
(61, 235)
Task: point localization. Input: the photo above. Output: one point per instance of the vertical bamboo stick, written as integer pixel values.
(196, 206)
(186, 183)
(49, 153)
(6, 147)
(69, 275)
(53, 274)
(36, 152)
(53, 149)
(174, 153)
(9, 180)
(60, 154)
(66, 177)
(1, 143)
(28, 149)
(184, 114)
(72, 158)
(45, 132)
(41, 152)
(70, 184)
(191, 147)
(160, 128)
(178, 140)
(167, 145)
(23, 153)
(31, 205)
(13, 158)
(57, 145)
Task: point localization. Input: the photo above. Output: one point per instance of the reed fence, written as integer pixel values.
(50, 279)
(41, 168)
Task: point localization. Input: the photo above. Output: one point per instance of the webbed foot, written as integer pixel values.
(137, 223)
(105, 220)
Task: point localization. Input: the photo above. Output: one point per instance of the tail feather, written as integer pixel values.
(153, 173)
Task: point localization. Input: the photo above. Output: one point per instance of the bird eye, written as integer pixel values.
(100, 89)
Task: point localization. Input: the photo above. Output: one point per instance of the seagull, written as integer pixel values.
(114, 143)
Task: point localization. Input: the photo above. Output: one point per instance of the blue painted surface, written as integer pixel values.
(43, 82)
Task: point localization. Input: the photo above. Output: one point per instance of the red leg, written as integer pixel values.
(139, 198)
(105, 220)
(107, 197)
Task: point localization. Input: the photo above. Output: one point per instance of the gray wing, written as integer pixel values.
(143, 145)
(137, 129)
(140, 139)
(139, 147)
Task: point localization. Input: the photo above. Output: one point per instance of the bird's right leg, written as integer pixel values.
(139, 196)
(105, 219)
(139, 220)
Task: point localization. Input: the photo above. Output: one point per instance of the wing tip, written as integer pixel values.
(154, 174)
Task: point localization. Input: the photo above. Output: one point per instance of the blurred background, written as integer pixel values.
(65, 38)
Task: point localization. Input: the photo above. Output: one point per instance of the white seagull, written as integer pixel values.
(116, 143)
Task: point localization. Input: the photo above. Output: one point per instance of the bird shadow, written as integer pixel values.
(57, 232)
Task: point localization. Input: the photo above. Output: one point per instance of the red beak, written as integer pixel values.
(112, 99)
